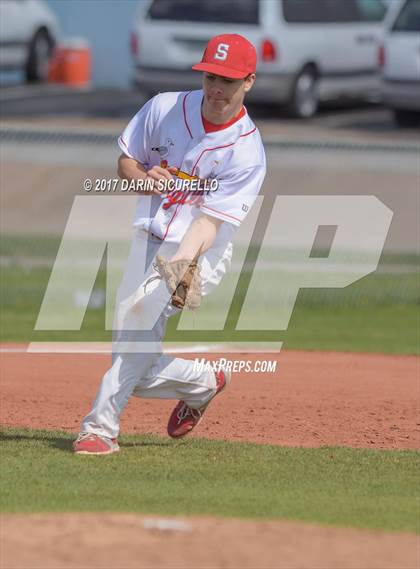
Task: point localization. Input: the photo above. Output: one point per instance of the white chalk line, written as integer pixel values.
(173, 348)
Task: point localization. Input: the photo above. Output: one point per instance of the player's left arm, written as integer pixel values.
(199, 237)
(235, 196)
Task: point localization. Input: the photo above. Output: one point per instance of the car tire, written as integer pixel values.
(40, 51)
(304, 99)
(406, 119)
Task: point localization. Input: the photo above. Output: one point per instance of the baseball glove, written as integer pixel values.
(183, 280)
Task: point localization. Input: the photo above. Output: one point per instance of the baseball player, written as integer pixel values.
(201, 135)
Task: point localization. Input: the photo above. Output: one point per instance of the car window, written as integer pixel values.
(408, 19)
(304, 11)
(371, 10)
(320, 11)
(229, 11)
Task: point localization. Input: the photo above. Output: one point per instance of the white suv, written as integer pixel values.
(400, 57)
(309, 51)
(28, 33)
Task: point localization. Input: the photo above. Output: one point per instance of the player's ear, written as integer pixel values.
(248, 82)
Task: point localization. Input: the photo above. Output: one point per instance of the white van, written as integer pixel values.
(400, 57)
(309, 51)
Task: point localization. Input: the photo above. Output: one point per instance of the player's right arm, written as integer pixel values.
(135, 143)
(130, 169)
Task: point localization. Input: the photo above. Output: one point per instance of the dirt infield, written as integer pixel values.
(131, 541)
(313, 399)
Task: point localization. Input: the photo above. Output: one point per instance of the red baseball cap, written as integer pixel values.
(229, 55)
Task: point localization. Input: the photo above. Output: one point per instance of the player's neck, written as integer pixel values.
(220, 118)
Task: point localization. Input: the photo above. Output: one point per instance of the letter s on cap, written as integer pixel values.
(222, 51)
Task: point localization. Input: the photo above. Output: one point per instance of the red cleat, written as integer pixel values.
(183, 419)
(89, 443)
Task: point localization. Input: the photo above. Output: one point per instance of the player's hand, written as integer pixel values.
(173, 170)
(161, 177)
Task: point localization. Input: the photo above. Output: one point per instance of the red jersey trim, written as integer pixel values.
(250, 132)
(210, 127)
(221, 213)
(185, 113)
(170, 221)
(122, 142)
(184, 102)
(218, 147)
(208, 150)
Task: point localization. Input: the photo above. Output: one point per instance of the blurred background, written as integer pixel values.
(337, 101)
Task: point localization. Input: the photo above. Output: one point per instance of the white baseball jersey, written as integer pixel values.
(168, 131)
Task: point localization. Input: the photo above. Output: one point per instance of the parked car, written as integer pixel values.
(309, 51)
(28, 34)
(400, 60)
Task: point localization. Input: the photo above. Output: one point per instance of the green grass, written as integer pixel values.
(379, 313)
(46, 246)
(331, 485)
(385, 329)
(355, 322)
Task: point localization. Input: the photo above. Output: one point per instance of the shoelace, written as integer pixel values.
(84, 436)
(184, 411)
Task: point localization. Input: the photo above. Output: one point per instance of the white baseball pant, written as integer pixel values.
(139, 367)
